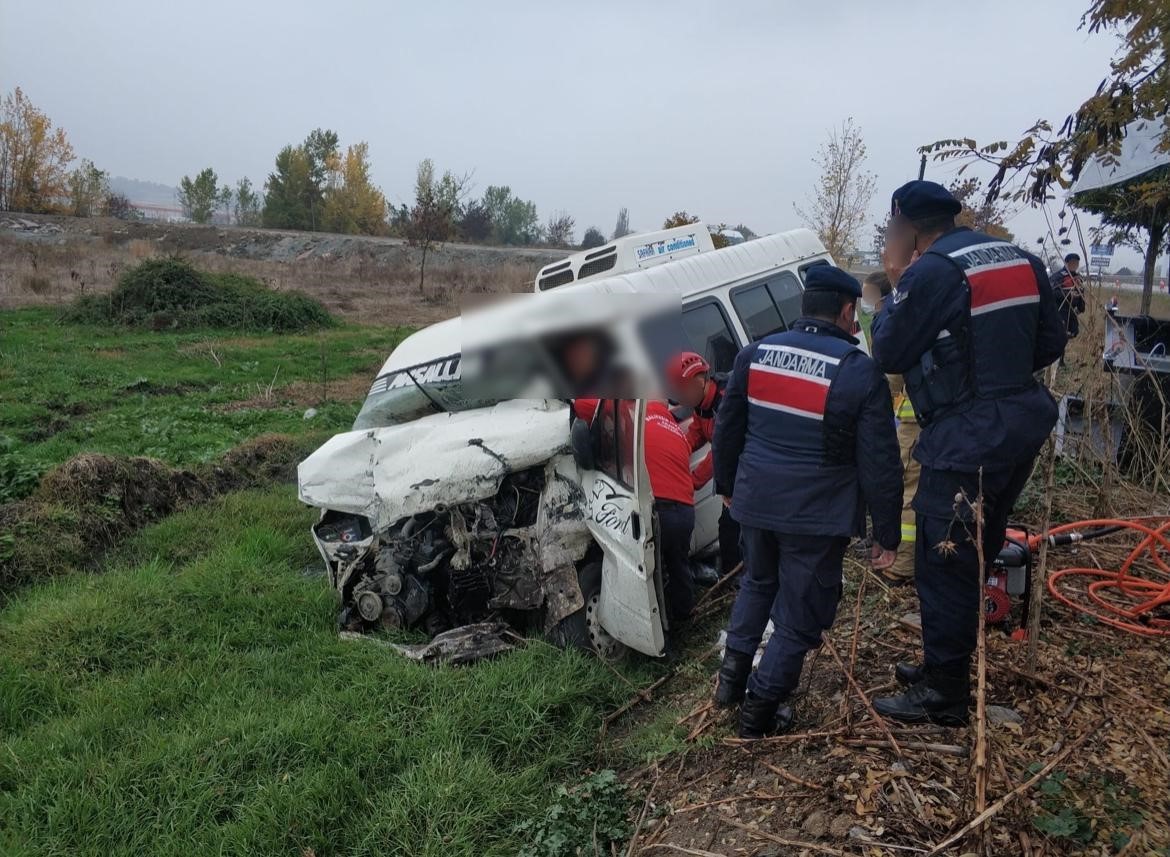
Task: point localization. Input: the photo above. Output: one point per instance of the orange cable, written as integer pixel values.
(1119, 598)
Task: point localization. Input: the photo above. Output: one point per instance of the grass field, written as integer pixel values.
(187, 693)
(180, 397)
(195, 699)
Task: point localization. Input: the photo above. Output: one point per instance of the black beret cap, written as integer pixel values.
(826, 278)
(918, 199)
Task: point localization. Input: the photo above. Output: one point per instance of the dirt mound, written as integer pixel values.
(92, 502)
(264, 459)
(172, 294)
(122, 491)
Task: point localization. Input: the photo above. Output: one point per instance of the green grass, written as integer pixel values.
(69, 388)
(195, 699)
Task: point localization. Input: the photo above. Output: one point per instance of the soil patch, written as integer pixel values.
(92, 502)
(836, 786)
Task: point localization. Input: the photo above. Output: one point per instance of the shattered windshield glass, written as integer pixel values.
(405, 395)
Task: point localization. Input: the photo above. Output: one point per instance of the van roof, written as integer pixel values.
(706, 271)
(682, 277)
(441, 339)
(631, 252)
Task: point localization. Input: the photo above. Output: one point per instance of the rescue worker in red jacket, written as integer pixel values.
(668, 463)
(695, 386)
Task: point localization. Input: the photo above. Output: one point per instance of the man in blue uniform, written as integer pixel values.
(804, 441)
(971, 319)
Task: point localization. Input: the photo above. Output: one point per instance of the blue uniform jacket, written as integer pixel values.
(1014, 331)
(805, 440)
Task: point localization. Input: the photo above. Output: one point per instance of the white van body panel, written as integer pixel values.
(386, 474)
(620, 519)
(391, 473)
(630, 253)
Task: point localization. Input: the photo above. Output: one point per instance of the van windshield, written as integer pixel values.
(404, 395)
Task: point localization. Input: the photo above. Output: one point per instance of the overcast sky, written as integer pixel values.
(713, 108)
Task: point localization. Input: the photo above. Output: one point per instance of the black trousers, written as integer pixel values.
(946, 560)
(794, 580)
(730, 551)
(676, 523)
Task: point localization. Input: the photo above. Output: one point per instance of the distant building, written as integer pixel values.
(164, 213)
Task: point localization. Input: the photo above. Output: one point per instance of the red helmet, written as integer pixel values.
(686, 365)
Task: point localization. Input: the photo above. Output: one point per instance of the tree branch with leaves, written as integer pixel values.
(1133, 96)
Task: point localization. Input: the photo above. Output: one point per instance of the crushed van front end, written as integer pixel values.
(452, 520)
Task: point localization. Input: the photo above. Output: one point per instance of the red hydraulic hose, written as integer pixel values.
(1121, 598)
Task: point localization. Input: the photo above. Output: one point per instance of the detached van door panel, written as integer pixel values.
(620, 508)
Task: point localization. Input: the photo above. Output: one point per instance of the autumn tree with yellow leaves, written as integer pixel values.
(34, 158)
(352, 203)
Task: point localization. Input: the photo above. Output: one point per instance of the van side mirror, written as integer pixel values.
(581, 440)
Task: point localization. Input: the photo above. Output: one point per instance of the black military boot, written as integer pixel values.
(733, 678)
(760, 717)
(940, 699)
(909, 674)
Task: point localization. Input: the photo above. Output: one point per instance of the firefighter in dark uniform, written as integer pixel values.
(695, 386)
(971, 319)
(804, 442)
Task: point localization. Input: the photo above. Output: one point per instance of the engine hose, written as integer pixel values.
(1118, 597)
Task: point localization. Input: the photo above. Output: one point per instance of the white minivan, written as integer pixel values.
(444, 507)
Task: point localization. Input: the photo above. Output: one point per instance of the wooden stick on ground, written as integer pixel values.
(853, 644)
(780, 840)
(878, 743)
(697, 852)
(1040, 572)
(702, 708)
(783, 739)
(780, 772)
(828, 644)
(792, 778)
(1112, 682)
(642, 817)
(646, 693)
(982, 818)
(696, 806)
(980, 761)
(643, 695)
(719, 584)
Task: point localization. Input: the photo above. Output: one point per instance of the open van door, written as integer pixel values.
(620, 517)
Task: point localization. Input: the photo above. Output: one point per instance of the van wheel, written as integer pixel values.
(582, 629)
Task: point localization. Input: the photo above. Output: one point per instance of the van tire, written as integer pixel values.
(581, 629)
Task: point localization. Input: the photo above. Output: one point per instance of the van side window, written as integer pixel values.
(612, 430)
(769, 307)
(786, 291)
(757, 311)
(710, 335)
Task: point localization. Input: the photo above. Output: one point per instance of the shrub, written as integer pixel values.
(589, 816)
(18, 475)
(170, 293)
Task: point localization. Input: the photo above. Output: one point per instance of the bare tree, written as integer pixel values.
(841, 199)
(436, 204)
(559, 231)
(623, 224)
